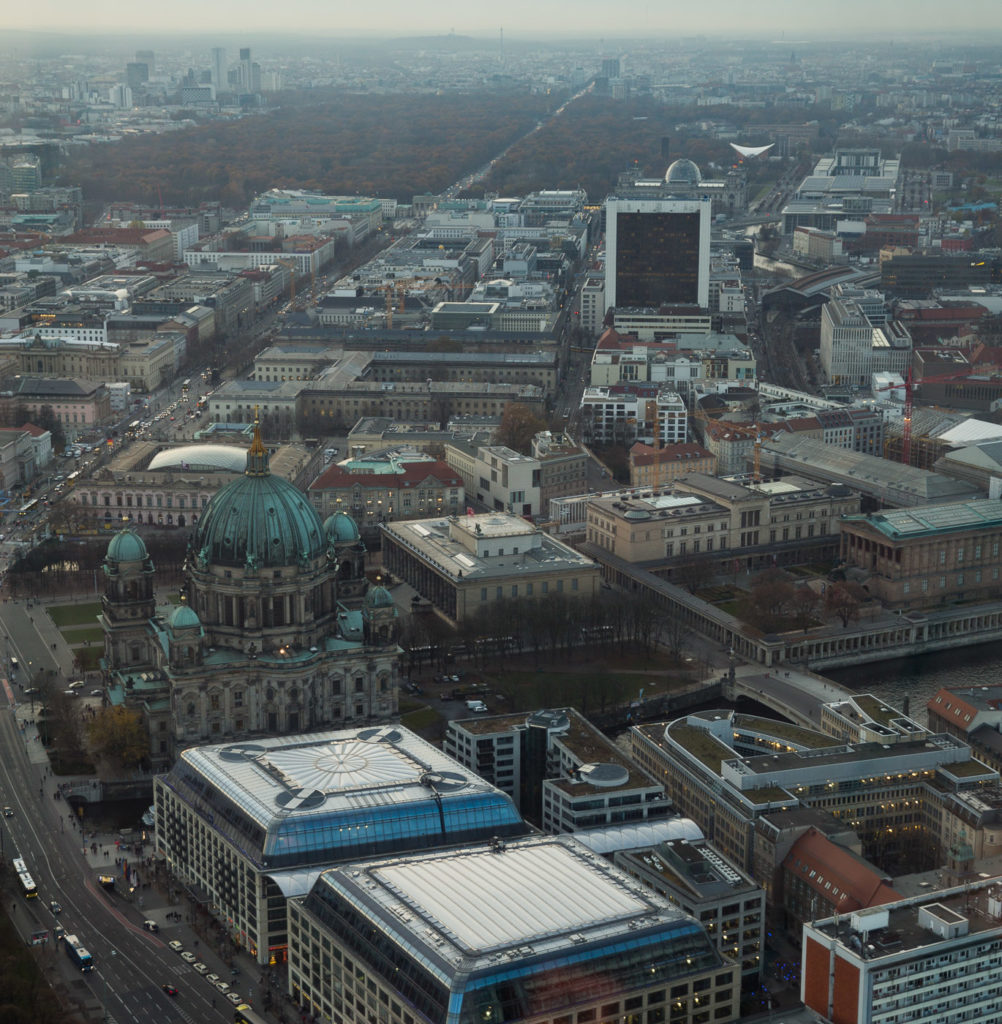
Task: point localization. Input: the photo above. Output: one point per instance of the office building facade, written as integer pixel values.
(657, 253)
(540, 930)
(250, 825)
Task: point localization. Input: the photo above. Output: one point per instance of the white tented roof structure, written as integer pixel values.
(972, 431)
(607, 841)
(749, 151)
(202, 457)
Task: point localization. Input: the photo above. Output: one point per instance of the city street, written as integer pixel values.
(130, 963)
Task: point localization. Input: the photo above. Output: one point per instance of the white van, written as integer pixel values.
(477, 706)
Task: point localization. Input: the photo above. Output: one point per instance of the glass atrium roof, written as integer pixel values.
(520, 925)
(293, 801)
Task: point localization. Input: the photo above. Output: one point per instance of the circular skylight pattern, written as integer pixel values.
(444, 782)
(342, 765)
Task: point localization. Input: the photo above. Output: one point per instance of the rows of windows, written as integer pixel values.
(526, 589)
(159, 500)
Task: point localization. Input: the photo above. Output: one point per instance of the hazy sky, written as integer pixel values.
(520, 18)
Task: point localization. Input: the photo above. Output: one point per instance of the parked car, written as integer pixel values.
(212, 978)
(177, 946)
(151, 926)
(235, 998)
(201, 968)
(190, 958)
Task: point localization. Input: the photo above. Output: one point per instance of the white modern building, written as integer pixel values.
(857, 342)
(621, 415)
(934, 958)
(558, 768)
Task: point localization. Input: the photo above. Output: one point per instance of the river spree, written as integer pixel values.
(917, 679)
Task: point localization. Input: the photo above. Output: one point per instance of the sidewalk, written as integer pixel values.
(37, 754)
(147, 894)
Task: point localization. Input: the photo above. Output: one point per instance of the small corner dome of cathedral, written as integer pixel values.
(341, 528)
(183, 617)
(126, 546)
(378, 597)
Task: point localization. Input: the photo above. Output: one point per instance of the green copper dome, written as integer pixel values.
(126, 546)
(183, 617)
(259, 521)
(378, 597)
(341, 528)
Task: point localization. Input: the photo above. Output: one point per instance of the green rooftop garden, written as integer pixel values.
(707, 749)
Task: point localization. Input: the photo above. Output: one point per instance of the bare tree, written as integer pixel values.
(695, 573)
(844, 599)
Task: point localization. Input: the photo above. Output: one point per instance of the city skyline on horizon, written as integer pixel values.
(519, 20)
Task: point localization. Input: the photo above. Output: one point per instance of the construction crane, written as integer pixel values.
(757, 464)
(397, 290)
(910, 386)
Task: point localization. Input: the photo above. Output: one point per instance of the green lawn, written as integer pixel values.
(78, 636)
(75, 614)
(88, 657)
(731, 607)
(420, 719)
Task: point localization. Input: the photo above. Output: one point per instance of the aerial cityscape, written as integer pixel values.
(500, 518)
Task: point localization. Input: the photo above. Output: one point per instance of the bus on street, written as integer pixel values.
(28, 507)
(244, 1014)
(27, 883)
(76, 952)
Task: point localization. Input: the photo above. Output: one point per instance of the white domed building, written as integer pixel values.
(261, 643)
(684, 180)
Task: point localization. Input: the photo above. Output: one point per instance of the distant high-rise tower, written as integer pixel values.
(610, 67)
(246, 69)
(26, 173)
(218, 68)
(137, 74)
(665, 149)
(657, 253)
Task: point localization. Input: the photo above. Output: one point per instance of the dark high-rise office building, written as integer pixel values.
(137, 74)
(657, 253)
(219, 67)
(246, 70)
(610, 67)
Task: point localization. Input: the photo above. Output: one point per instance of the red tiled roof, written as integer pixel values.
(646, 455)
(840, 877)
(797, 423)
(611, 338)
(949, 704)
(124, 236)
